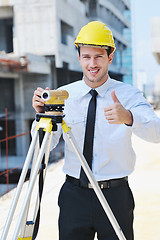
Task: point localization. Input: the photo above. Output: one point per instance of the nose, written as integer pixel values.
(93, 62)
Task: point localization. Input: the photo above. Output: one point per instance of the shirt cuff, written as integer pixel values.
(136, 120)
(130, 125)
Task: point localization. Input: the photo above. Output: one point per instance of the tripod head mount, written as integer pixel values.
(54, 101)
(54, 106)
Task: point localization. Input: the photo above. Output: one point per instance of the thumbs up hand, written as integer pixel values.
(116, 113)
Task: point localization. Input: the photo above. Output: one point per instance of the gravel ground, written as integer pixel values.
(145, 182)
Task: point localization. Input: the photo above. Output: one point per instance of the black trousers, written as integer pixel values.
(81, 214)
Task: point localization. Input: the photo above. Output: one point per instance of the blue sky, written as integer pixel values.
(143, 11)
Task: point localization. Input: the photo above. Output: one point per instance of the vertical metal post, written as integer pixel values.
(6, 126)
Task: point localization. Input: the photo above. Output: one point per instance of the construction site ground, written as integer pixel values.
(144, 182)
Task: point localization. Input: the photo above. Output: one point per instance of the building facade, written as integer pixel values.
(156, 38)
(155, 25)
(36, 49)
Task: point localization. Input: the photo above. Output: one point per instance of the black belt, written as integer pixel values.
(102, 184)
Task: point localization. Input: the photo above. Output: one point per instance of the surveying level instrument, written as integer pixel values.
(54, 101)
(47, 124)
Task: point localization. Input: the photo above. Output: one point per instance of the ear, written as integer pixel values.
(110, 58)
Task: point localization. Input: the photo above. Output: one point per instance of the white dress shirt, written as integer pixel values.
(113, 155)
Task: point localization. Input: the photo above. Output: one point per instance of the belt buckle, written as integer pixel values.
(101, 185)
(104, 184)
(90, 185)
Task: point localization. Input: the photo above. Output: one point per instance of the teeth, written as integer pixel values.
(94, 71)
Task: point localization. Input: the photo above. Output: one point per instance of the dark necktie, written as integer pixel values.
(89, 134)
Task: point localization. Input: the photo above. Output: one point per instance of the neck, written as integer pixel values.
(93, 84)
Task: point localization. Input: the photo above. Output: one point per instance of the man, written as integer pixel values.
(120, 111)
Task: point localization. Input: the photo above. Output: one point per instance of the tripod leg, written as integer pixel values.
(19, 187)
(24, 221)
(94, 183)
(30, 187)
(27, 227)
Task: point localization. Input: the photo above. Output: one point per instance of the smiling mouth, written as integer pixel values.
(94, 72)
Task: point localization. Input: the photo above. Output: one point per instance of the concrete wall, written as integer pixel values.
(38, 26)
(35, 28)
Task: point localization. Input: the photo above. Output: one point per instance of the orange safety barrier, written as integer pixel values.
(15, 136)
(10, 170)
(6, 139)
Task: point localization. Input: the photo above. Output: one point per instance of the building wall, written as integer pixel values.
(46, 21)
(155, 27)
(127, 53)
(54, 25)
(35, 27)
(156, 38)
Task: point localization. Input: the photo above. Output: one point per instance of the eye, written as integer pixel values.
(86, 57)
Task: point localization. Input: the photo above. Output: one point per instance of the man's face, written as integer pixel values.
(94, 63)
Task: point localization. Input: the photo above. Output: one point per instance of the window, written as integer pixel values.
(6, 36)
(66, 30)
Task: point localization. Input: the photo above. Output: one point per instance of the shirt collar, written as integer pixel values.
(101, 90)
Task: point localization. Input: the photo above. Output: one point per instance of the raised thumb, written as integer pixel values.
(114, 97)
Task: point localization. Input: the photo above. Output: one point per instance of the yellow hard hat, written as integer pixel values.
(97, 34)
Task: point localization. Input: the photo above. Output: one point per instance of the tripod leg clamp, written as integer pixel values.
(65, 127)
(45, 123)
